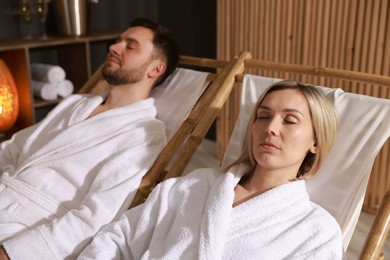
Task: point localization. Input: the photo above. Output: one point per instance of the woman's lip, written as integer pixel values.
(269, 146)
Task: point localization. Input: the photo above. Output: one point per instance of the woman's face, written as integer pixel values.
(282, 132)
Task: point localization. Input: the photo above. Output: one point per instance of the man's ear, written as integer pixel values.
(158, 68)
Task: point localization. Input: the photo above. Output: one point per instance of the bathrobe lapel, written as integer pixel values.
(217, 213)
(77, 132)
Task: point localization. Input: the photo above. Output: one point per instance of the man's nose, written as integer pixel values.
(115, 47)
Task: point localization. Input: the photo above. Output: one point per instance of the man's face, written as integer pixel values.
(129, 58)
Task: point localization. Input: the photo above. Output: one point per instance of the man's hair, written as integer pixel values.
(164, 43)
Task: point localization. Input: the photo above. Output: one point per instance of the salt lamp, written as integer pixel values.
(9, 102)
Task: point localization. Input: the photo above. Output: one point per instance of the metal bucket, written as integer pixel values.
(71, 16)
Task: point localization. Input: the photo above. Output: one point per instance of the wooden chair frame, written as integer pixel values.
(195, 127)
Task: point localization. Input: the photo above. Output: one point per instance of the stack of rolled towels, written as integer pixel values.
(49, 81)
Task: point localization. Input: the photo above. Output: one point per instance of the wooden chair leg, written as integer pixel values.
(375, 240)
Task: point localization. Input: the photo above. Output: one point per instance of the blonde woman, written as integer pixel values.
(257, 209)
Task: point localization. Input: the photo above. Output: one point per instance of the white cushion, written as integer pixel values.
(177, 95)
(340, 185)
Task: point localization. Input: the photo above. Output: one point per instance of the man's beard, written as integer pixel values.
(121, 76)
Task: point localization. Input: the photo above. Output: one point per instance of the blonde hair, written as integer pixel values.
(325, 126)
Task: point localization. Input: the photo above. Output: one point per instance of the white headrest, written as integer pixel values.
(177, 95)
(341, 183)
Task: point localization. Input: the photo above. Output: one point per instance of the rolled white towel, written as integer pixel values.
(44, 90)
(65, 88)
(47, 73)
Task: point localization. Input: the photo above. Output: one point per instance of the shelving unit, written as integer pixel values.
(78, 56)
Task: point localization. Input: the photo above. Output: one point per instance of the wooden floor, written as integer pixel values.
(205, 158)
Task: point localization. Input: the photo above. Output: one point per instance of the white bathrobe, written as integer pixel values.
(69, 175)
(192, 218)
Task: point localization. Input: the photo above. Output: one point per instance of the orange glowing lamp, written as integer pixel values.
(9, 102)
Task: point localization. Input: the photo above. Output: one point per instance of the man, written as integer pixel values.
(78, 169)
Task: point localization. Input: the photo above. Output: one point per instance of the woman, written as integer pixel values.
(259, 209)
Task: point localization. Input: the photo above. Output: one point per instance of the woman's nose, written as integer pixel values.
(273, 127)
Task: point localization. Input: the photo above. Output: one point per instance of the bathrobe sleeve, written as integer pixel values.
(11, 149)
(129, 237)
(109, 195)
(159, 227)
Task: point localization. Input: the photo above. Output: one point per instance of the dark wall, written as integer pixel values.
(10, 24)
(194, 24)
(192, 21)
(117, 14)
(104, 16)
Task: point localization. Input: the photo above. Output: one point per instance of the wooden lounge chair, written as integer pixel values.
(195, 127)
(341, 186)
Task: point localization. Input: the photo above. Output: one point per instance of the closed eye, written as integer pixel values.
(290, 120)
(263, 115)
(132, 44)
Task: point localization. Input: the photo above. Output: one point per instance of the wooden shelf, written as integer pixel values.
(44, 103)
(12, 44)
(78, 56)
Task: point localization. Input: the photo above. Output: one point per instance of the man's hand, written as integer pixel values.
(3, 254)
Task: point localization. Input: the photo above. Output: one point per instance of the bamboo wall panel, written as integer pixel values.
(344, 34)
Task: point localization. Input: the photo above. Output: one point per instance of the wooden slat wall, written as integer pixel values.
(344, 34)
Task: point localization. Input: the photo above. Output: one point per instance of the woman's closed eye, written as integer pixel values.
(290, 120)
(263, 116)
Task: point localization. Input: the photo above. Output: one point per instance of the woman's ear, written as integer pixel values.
(313, 149)
(157, 70)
